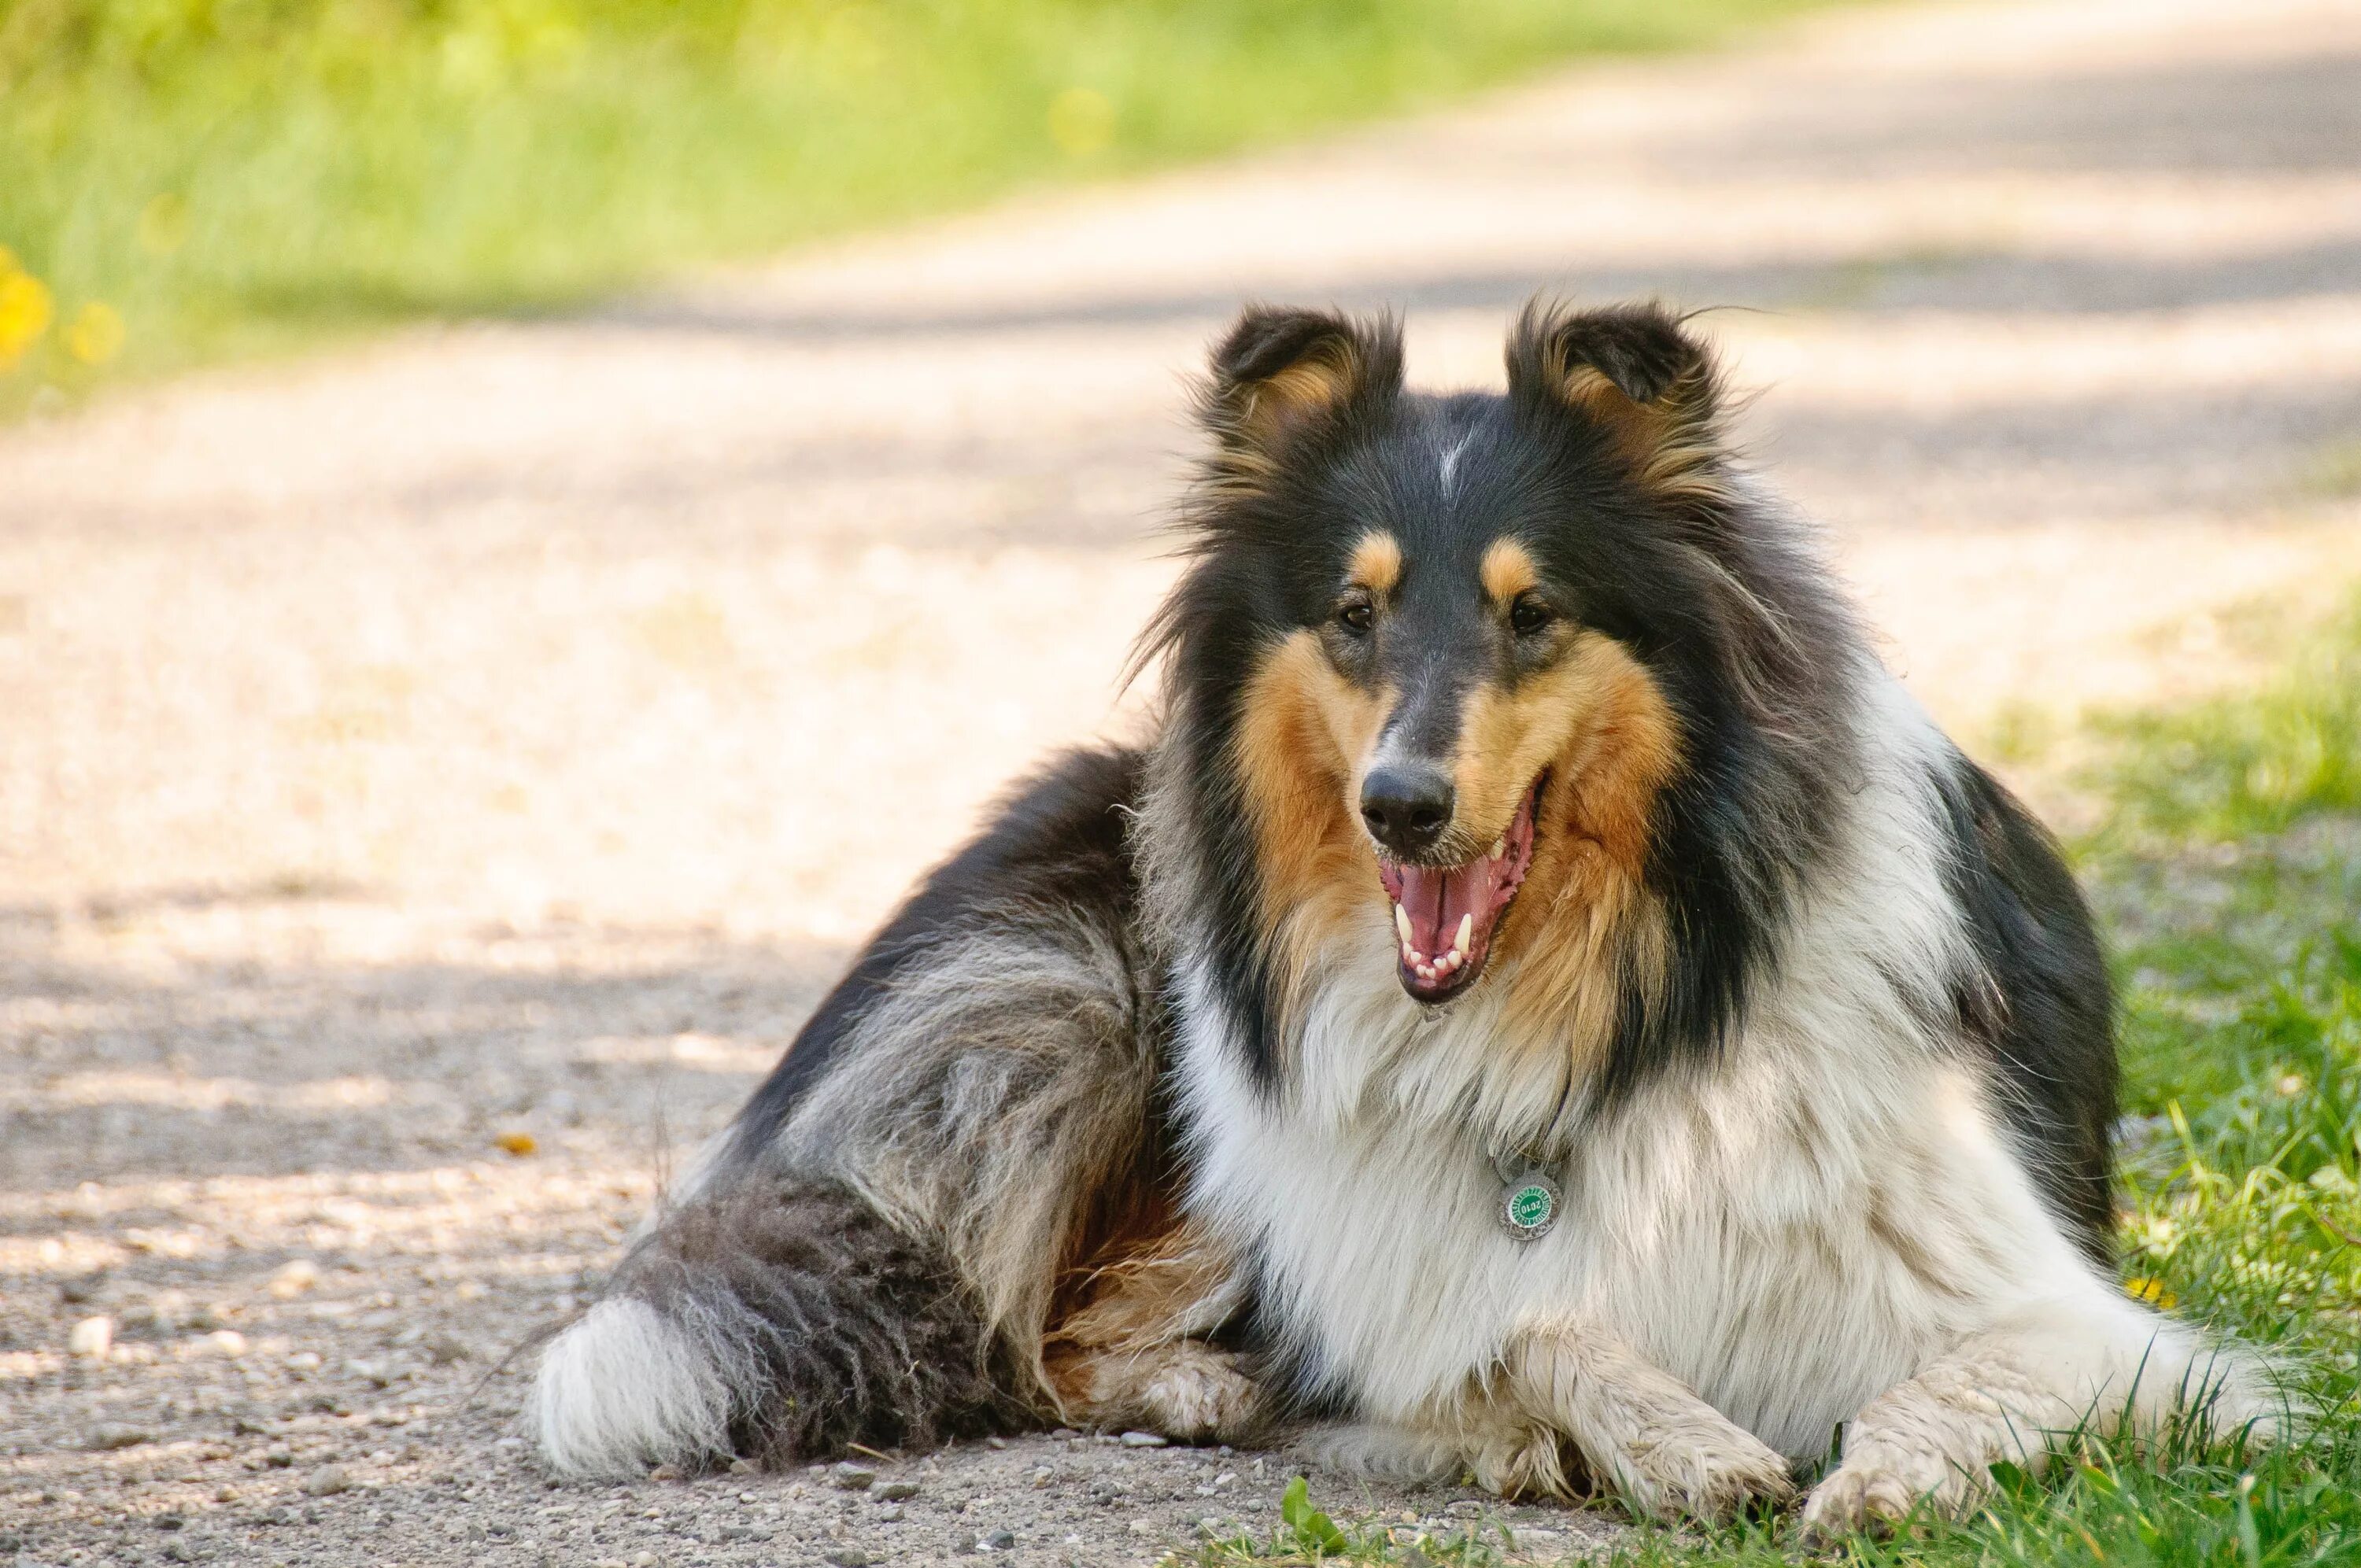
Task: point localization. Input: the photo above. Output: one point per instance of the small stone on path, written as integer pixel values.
(327, 1481)
(113, 1435)
(91, 1337)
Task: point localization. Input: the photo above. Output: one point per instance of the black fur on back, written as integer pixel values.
(2041, 1011)
(1057, 842)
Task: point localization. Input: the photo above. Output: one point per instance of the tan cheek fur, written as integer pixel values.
(1582, 923)
(1596, 721)
(1305, 725)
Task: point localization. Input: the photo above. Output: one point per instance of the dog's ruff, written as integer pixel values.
(1523, 789)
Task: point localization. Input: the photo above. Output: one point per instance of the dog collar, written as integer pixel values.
(1532, 1196)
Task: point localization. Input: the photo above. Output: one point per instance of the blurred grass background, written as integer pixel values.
(192, 180)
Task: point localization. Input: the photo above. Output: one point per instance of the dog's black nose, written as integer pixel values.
(1407, 807)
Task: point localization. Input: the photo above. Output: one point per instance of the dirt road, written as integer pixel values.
(502, 732)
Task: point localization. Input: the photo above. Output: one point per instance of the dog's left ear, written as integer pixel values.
(1633, 371)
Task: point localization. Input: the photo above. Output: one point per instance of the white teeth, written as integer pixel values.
(1499, 847)
(1466, 930)
(1401, 926)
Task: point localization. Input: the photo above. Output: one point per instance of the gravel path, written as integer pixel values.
(434, 782)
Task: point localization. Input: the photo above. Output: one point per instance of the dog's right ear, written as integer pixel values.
(1282, 373)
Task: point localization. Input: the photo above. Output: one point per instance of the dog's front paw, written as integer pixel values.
(1698, 1471)
(1200, 1393)
(1881, 1483)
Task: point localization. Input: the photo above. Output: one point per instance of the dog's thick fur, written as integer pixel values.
(1164, 1103)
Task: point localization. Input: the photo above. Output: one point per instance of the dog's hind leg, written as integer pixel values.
(2009, 1393)
(1184, 1389)
(1135, 1354)
(1668, 1453)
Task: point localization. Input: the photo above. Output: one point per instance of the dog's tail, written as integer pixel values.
(779, 1319)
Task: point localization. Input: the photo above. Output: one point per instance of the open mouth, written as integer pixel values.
(1444, 915)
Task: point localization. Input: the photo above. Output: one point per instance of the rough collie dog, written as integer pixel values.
(1545, 997)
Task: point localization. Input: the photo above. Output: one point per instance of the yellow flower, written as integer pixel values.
(95, 335)
(24, 310)
(2152, 1292)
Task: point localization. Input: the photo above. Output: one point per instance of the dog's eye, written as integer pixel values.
(1530, 614)
(1356, 616)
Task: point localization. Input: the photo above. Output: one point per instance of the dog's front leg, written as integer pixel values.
(2007, 1393)
(1667, 1452)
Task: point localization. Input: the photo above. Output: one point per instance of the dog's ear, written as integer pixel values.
(1634, 371)
(1281, 373)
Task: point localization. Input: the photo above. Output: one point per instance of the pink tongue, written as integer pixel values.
(1435, 899)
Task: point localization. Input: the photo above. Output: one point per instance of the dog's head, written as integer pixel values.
(1461, 652)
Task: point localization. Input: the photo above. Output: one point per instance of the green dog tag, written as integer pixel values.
(1529, 1206)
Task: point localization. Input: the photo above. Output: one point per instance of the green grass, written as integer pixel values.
(2254, 765)
(2228, 874)
(224, 177)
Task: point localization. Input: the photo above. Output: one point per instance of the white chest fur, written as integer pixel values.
(1786, 1250)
